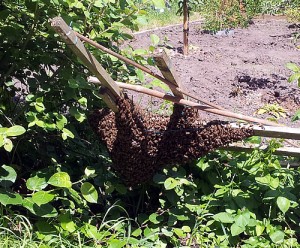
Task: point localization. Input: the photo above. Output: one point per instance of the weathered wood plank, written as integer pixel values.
(284, 151)
(112, 90)
(164, 64)
(272, 131)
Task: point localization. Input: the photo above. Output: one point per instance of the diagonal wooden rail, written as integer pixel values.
(185, 102)
(69, 36)
(171, 85)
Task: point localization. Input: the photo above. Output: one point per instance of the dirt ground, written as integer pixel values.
(240, 71)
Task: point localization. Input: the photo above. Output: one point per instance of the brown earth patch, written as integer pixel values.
(240, 71)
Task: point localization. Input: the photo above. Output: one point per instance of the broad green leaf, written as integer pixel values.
(89, 192)
(155, 218)
(137, 232)
(45, 210)
(15, 131)
(39, 106)
(8, 176)
(236, 230)
(2, 140)
(9, 198)
(224, 217)
(116, 243)
(160, 4)
(274, 183)
(283, 204)
(61, 121)
(170, 183)
(60, 179)
(42, 197)
(293, 67)
(140, 75)
(186, 229)
(259, 229)
(167, 232)
(242, 220)
(3, 130)
(90, 172)
(8, 145)
(67, 133)
(277, 236)
(179, 232)
(83, 101)
(38, 182)
(44, 228)
(154, 39)
(66, 222)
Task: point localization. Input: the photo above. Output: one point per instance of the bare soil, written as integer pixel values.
(241, 71)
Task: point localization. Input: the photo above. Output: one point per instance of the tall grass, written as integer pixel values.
(154, 18)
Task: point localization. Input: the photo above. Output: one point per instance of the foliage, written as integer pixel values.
(232, 13)
(295, 77)
(55, 172)
(275, 110)
(224, 14)
(293, 14)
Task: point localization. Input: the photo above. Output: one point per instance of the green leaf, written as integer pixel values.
(137, 232)
(45, 210)
(8, 145)
(61, 121)
(259, 228)
(15, 131)
(283, 204)
(140, 75)
(60, 179)
(186, 229)
(2, 140)
(155, 218)
(294, 77)
(242, 220)
(9, 198)
(89, 192)
(66, 222)
(293, 67)
(296, 117)
(277, 236)
(179, 232)
(236, 230)
(224, 217)
(8, 176)
(154, 39)
(42, 197)
(170, 183)
(160, 4)
(67, 133)
(90, 172)
(38, 182)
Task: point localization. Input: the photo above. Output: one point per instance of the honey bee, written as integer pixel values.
(236, 91)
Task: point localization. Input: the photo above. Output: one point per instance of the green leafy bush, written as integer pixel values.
(55, 172)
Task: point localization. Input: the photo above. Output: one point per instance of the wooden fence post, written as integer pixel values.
(164, 64)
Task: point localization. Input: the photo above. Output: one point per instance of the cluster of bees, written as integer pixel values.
(140, 143)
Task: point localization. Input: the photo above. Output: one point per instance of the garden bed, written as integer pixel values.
(241, 71)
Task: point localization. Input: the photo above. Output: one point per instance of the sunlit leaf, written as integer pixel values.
(89, 192)
(15, 131)
(60, 179)
(283, 204)
(42, 197)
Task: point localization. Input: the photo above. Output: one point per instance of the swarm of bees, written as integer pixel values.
(140, 143)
